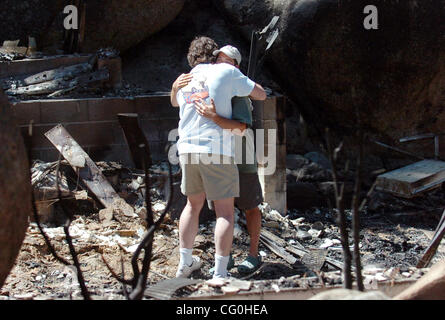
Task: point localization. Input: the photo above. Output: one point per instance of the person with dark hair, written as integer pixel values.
(206, 151)
(201, 51)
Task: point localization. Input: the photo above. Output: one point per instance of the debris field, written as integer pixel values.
(299, 250)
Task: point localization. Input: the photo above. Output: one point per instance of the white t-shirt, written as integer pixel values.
(220, 82)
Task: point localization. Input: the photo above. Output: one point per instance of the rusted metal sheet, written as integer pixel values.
(83, 165)
(413, 179)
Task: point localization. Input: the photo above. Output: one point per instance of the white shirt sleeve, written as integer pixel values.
(242, 86)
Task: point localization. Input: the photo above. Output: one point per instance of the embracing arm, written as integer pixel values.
(209, 111)
(258, 93)
(179, 83)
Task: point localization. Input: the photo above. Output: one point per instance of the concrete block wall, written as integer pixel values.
(93, 124)
(269, 115)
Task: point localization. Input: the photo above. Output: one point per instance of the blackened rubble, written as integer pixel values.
(392, 239)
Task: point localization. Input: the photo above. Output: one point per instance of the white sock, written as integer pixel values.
(221, 263)
(185, 256)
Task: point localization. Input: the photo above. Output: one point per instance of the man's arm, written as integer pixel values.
(209, 111)
(258, 93)
(179, 83)
(243, 86)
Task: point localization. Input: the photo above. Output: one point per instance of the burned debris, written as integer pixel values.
(100, 71)
(301, 249)
(105, 215)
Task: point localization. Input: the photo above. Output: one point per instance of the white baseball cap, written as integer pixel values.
(231, 52)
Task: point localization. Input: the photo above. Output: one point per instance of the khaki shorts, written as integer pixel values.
(251, 193)
(218, 180)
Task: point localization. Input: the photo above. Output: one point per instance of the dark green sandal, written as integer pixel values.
(230, 265)
(249, 265)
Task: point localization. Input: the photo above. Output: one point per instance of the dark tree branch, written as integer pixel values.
(355, 207)
(86, 295)
(73, 253)
(121, 279)
(139, 280)
(341, 217)
(124, 287)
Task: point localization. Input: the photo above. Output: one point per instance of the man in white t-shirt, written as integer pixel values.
(251, 194)
(206, 151)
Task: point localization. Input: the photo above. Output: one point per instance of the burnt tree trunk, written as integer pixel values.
(15, 189)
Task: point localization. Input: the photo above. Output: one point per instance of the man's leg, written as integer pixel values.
(221, 182)
(188, 228)
(224, 226)
(189, 220)
(223, 234)
(248, 201)
(253, 221)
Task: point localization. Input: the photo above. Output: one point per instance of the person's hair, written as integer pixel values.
(201, 51)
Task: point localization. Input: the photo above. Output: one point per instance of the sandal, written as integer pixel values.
(250, 265)
(230, 265)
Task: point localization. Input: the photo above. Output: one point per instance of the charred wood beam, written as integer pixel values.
(278, 250)
(134, 137)
(59, 73)
(85, 168)
(297, 249)
(60, 84)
